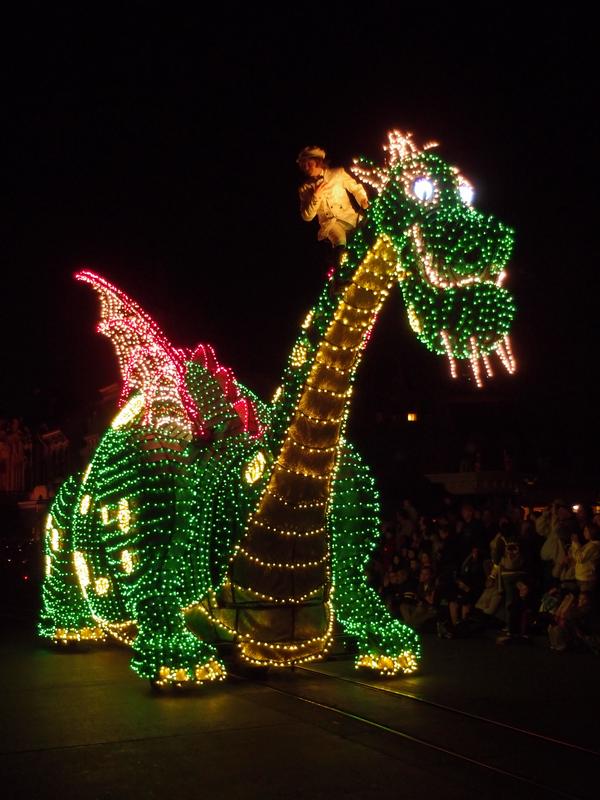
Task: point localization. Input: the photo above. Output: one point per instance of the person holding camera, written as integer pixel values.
(326, 194)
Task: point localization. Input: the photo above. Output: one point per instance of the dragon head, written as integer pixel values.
(451, 256)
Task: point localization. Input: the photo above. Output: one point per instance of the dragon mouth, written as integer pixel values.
(444, 278)
(432, 273)
(479, 360)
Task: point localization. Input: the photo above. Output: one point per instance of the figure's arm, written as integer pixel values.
(356, 189)
(576, 550)
(543, 524)
(310, 199)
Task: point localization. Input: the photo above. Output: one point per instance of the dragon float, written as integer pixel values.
(207, 516)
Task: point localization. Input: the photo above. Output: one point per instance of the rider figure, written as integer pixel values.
(325, 194)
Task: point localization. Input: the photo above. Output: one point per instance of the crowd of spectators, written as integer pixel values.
(470, 570)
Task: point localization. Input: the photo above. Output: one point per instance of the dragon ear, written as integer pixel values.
(151, 368)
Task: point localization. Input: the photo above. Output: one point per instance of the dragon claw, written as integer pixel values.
(404, 663)
(67, 636)
(183, 677)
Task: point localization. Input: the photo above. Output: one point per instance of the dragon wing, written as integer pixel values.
(150, 366)
(155, 373)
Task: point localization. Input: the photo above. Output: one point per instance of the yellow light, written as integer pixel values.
(255, 468)
(86, 502)
(81, 568)
(54, 539)
(86, 474)
(102, 586)
(299, 355)
(48, 565)
(277, 395)
(411, 416)
(124, 515)
(104, 515)
(66, 635)
(128, 561)
(413, 320)
(308, 320)
(389, 665)
(129, 412)
(211, 671)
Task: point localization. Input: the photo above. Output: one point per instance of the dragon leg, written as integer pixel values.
(384, 643)
(65, 615)
(165, 650)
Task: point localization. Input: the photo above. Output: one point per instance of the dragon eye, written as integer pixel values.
(423, 189)
(466, 192)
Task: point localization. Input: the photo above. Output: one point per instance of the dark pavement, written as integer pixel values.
(83, 725)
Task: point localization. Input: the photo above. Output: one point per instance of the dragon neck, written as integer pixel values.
(284, 554)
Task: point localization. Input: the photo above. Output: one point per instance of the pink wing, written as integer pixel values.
(149, 364)
(152, 367)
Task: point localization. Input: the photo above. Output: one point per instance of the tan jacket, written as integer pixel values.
(587, 558)
(332, 205)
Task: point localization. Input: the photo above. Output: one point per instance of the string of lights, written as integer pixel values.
(206, 515)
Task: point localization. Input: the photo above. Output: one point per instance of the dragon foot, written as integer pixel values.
(183, 677)
(66, 636)
(404, 663)
(179, 660)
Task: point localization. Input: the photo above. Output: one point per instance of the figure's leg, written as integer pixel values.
(65, 616)
(453, 608)
(384, 643)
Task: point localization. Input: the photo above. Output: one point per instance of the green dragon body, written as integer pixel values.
(207, 516)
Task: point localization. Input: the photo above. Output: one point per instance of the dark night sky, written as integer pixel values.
(158, 149)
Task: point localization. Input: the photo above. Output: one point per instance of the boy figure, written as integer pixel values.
(324, 195)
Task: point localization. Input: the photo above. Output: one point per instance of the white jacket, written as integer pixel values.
(332, 205)
(587, 558)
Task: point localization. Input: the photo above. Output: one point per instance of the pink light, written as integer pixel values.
(205, 355)
(150, 364)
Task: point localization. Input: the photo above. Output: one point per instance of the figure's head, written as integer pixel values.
(591, 532)
(426, 574)
(563, 512)
(451, 257)
(311, 161)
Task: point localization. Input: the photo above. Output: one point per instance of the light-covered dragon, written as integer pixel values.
(207, 516)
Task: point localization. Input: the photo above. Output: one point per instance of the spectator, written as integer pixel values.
(586, 558)
(405, 526)
(566, 524)
(388, 548)
(521, 615)
(491, 598)
(470, 530)
(573, 624)
(397, 581)
(423, 608)
(551, 554)
(470, 583)
(509, 557)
